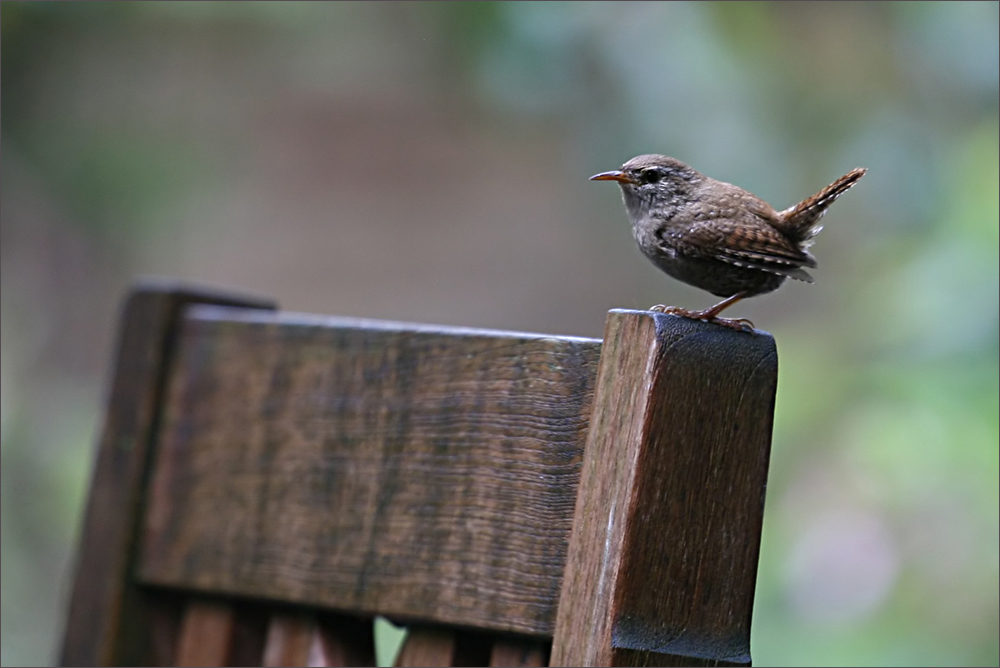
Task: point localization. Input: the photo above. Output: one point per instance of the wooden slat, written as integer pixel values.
(289, 640)
(401, 470)
(427, 647)
(109, 619)
(518, 654)
(206, 635)
(663, 558)
(221, 633)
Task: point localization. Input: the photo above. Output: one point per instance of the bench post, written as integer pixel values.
(104, 606)
(662, 559)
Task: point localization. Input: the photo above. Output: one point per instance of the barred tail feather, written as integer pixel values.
(801, 221)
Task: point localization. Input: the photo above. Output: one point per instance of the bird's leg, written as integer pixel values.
(711, 314)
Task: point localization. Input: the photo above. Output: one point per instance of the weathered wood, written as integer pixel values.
(663, 558)
(109, 619)
(206, 635)
(427, 647)
(428, 474)
(518, 653)
(415, 472)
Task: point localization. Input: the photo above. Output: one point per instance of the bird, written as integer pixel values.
(717, 236)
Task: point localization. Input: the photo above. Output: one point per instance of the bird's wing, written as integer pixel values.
(750, 242)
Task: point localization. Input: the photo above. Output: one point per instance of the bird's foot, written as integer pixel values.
(708, 315)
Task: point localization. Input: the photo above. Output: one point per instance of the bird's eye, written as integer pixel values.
(650, 176)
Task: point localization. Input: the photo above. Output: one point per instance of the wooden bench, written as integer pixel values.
(267, 482)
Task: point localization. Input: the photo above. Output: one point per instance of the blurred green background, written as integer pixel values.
(429, 162)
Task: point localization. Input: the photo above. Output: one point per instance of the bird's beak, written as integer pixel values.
(617, 175)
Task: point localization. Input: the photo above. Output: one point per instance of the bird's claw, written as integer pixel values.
(739, 324)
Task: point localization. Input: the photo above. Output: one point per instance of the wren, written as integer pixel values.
(716, 236)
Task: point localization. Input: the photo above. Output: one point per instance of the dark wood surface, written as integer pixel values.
(663, 558)
(420, 473)
(428, 474)
(207, 635)
(519, 653)
(427, 647)
(108, 621)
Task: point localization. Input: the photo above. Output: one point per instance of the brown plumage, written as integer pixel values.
(716, 236)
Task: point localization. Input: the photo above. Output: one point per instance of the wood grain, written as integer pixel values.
(415, 472)
(663, 558)
(429, 474)
(109, 620)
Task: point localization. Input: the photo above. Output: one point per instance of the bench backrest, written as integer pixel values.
(268, 482)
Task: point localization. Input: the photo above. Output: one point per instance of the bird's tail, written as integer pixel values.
(801, 222)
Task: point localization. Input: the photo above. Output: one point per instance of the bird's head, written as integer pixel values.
(652, 181)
